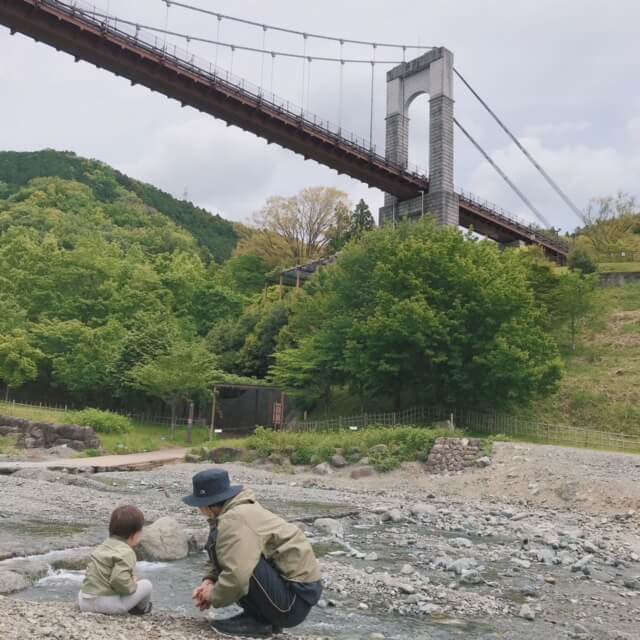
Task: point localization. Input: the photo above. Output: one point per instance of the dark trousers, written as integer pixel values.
(271, 598)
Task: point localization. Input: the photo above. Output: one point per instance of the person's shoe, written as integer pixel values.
(243, 625)
(141, 611)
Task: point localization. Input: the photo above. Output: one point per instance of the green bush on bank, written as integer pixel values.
(402, 444)
(102, 421)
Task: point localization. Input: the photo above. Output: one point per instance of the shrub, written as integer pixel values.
(102, 421)
(403, 443)
(582, 260)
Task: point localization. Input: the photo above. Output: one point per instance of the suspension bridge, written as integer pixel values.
(143, 54)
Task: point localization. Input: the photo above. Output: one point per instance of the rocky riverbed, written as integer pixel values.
(542, 543)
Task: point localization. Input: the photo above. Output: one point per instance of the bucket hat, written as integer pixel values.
(211, 487)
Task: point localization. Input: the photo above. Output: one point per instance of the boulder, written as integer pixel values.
(338, 461)
(32, 570)
(379, 449)
(10, 582)
(484, 461)
(72, 561)
(322, 469)
(330, 526)
(163, 541)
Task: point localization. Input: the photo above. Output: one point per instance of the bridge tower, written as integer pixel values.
(431, 73)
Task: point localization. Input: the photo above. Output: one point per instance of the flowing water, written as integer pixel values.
(173, 583)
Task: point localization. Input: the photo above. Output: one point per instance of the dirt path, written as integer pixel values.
(128, 462)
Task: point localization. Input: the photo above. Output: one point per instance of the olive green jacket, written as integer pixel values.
(110, 570)
(247, 531)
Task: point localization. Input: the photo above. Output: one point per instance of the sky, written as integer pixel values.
(563, 74)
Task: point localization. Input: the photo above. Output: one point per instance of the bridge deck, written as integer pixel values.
(89, 37)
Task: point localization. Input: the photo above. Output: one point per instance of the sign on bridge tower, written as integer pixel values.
(431, 73)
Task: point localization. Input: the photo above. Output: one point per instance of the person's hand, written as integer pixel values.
(202, 595)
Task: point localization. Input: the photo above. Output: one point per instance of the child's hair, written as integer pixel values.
(126, 521)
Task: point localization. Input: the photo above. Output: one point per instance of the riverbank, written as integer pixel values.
(542, 543)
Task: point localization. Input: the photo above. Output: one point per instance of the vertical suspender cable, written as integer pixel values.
(341, 89)
(264, 46)
(215, 64)
(273, 70)
(304, 68)
(309, 84)
(233, 50)
(373, 68)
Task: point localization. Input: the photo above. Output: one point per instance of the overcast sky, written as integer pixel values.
(564, 74)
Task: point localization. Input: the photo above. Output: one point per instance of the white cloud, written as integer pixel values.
(556, 129)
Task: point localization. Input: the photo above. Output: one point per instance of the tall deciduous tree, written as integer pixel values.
(187, 370)
(577, 300)
(296, 229)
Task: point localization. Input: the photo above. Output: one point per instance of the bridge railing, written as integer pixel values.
(497, 211)
(137, 36)
(132, 32)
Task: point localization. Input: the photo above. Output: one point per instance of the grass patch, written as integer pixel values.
(600, 389)
(619, 267)
(7, 444)
(141, 438)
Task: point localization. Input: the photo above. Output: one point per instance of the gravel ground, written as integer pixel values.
(21, 621)
(543, 543)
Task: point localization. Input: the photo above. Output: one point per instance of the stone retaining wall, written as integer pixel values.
(44, 435)
(453, 454)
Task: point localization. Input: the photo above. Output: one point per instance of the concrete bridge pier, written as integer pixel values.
(431, 73)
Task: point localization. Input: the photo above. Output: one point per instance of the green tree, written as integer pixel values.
(361, 220)
(19, 359)
(184, 372)
(581, 260)
(426, 313)
(577, 301)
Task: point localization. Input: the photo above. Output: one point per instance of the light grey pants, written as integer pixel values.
(116, 605)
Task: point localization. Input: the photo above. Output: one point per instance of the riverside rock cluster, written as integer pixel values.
(43, 435)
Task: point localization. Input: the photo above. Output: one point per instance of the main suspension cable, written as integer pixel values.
(503, 175)
(188, 37)
(318, 36)
(531, 159)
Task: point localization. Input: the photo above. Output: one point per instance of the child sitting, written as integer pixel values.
(109, 585)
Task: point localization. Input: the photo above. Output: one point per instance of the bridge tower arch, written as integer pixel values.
(431, 73)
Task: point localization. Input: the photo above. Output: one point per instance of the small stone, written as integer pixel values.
(526, 612)
(393, 515)
(407, 570)
(362, 472)
(364, 606)
(330, 526)
(471, 578)
(376, 635)
(484, 461)
(371, 557)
